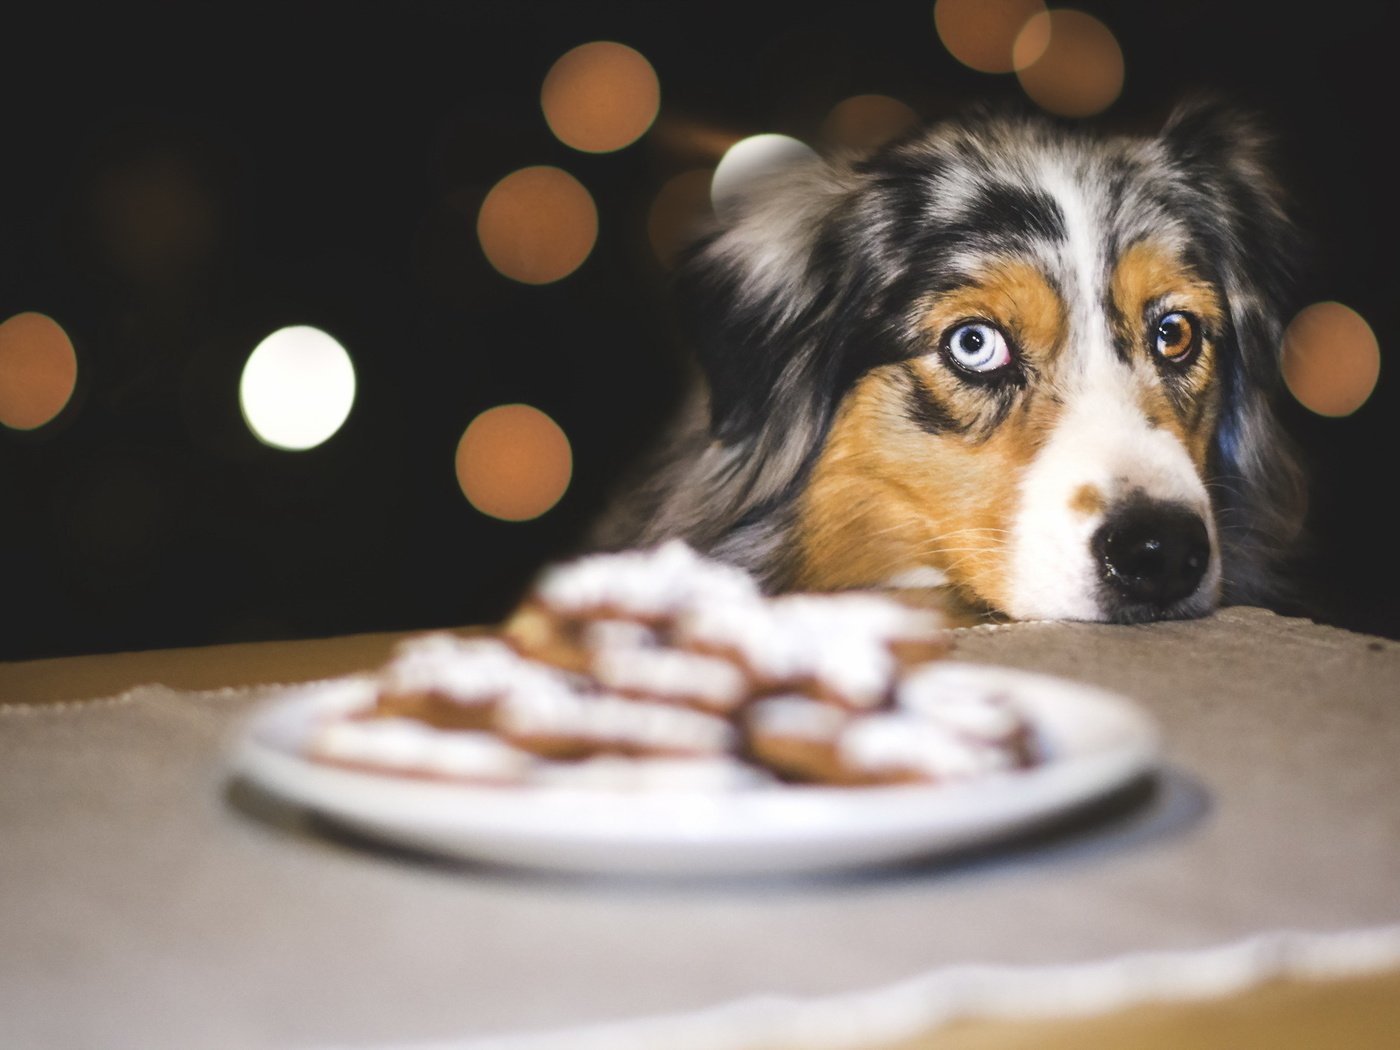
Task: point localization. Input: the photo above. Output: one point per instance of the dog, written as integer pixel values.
(1026, 364)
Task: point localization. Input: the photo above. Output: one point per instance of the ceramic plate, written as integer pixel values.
(1094, 741)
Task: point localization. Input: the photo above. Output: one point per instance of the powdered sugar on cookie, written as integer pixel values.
(464, 670)
(403, 745)
(647, 584)
(663, 670)
(844, 647)
(706, 682)
(564, 722)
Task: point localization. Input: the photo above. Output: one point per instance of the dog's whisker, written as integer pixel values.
(970, 533)
(990, 536)
(913, 522)
(957, 563)
(940, 549)
(896, 527)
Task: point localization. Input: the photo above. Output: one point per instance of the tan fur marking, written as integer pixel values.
(1147, 271)
(1088, 501)
(1016, 296)
(1146, 274)
(886, 496)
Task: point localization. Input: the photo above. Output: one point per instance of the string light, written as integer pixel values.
(297, 388)
(748, 161)
(680, 210)
(600, 97)
(864, 122)
(1331, 359)
(513, 462)
(537, 225)
(38, 370)
(981, 34)
(1069, 63)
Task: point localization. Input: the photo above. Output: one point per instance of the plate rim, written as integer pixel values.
(781, 829)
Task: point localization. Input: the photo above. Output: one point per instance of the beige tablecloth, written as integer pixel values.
(148, 902)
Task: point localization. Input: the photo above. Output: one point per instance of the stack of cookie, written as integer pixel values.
(661, 668)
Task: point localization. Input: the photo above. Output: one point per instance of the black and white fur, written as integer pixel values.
(826, 274)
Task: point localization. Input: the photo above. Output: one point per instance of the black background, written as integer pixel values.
(339, 151)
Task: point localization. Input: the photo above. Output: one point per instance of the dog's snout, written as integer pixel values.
(1152, 554)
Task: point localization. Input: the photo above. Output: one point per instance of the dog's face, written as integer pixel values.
(1028, 364)
(1047, 454)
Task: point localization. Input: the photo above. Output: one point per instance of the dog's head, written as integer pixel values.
(1014, 357)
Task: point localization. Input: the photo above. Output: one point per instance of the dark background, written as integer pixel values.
(335, 154)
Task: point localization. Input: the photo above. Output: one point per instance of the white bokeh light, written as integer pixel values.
(297, 388)
(750, 159)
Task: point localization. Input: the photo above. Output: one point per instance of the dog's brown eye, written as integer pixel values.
(977, 346)
(1177, 337)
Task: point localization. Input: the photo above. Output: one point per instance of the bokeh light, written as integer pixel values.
(680, 210)
(514, 462)
(38, 370)
(749, 160)
(297, 388)
(600, 97)
(156, 215)
(537, 225)
(982, 33)
(864, 122)
(1331, 359)
(1069, 63)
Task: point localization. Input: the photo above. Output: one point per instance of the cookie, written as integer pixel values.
(650, 585)
(407, 746)
(562, 722)
(942, 726)
(845, 649)
(451, 682)
(900, 747)
(948, 695)
(660, 670)
(796, 737)
(574, 607)
(708, 683)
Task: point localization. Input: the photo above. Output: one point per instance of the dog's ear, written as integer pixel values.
(1239, 217)
(753, 298)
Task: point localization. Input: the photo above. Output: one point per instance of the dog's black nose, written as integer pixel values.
(1152, 554)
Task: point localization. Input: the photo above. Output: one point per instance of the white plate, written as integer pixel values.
(1095, 741)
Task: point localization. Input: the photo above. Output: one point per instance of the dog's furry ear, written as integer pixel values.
(757, 300)
(752, 297)
(1221, 156)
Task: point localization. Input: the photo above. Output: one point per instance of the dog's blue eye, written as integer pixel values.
(1176, 337)
(978, 347)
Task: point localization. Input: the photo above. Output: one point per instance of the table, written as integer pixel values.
(1248, 896)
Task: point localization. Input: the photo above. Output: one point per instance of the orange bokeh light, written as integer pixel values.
(600, 97)
(1079, 69)
(982, 33)
(38, 370)
(537, 225)
(867, 121)
(514, 462)
(681, 210)
(1331, 359)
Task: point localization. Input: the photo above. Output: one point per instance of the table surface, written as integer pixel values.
(150, 902)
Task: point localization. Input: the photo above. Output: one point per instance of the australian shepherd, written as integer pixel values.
(1003, 356)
